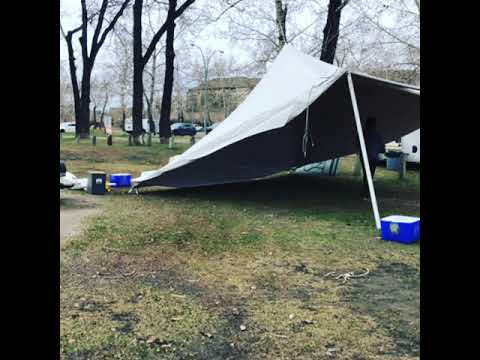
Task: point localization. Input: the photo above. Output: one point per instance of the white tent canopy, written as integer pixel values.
(301, 112)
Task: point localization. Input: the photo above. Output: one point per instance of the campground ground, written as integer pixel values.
(237, 271)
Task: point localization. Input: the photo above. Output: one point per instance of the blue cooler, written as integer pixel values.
(121, 180)
(394, 160)
(403, 229)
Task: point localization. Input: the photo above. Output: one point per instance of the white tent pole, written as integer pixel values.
(364, 151)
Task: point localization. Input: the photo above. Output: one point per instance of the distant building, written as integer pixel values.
(224, 95)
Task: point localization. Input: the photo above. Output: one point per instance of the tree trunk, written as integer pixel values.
(164, 125)
(73, 77)
(152, 85)
(150, 97)
(281, 21)
(123, 120)
(84, 123)
(331, 31)
(94, 120)
(140, 60)
(180, 115)
(82, 100)
(102, 123)
(138, 66)
(151, 124)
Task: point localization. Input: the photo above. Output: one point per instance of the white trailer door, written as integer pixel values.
(411, 146)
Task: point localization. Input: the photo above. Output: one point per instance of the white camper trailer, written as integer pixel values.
(409, 145)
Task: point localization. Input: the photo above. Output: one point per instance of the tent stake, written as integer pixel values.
(364, 151)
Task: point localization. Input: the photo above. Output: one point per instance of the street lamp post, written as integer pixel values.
(205, 93)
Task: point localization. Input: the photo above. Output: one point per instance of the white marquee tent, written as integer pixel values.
(302, 111)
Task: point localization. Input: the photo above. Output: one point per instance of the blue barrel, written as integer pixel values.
(121, 180)
(394, 160)
(393, 163)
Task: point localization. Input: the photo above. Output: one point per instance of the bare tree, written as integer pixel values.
(89, 15)
(66, 96)
(165, 110)
(264, 27)
(364, 35)
(121, 65)
(101, 93)
(319, 27)
(152, 75)
(385, 39)
(140, 59)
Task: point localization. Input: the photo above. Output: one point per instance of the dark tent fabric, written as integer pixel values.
(331, 134)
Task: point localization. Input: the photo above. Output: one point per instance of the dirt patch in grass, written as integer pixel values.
(191, 306)
(127, 321)
(391, 296)
(155, 311)
(74, 201)
(74, 208)
(173, 281)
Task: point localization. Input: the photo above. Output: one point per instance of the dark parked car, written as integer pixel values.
(183, 129)
(211, 127)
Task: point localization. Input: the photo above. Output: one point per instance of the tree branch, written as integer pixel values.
(98, 28)
(153, 43)
(344, 3)
(113, 22)
(161, 31)
(265, 36)
(182, 8)
(83, 38)
(388, 32)
(228, 8)
(70, 32)
(73, 69)
(146, 98)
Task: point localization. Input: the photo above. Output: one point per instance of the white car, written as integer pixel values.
(67, 127)
(145, 124)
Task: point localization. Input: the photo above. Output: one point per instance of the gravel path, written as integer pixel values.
(74, 208)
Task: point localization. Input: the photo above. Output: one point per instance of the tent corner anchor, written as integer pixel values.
(133, 188)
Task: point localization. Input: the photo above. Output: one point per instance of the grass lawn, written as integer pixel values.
(238, 271)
